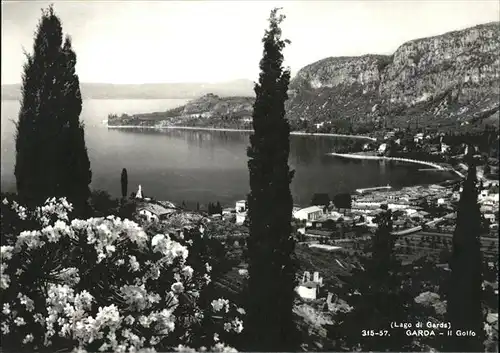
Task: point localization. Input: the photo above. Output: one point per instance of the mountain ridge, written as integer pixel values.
(444, 80)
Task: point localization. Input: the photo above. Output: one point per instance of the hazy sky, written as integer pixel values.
(212, 41)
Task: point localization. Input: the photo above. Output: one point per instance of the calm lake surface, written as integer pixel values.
(204, 166)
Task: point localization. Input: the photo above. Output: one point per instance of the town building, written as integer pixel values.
(241, 211)
(309, 287)
(153, 212)
(309, 214)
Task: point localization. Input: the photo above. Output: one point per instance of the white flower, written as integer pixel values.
(6, 252)
(187, 271)
(129, 320)
(135, 296)
(219, 304)
(108, 316)
(170, 249)
(29, 238)
(237, 325)
(227, 327)
(6, 309)
(177, 287)
(208, 267)
(220, 347)
(134, 264)
(241, 311)
(4, 328)
(216, 337)
(28, 338)
(207, 278)
(5, 201)
(69, 276)
(83, 300)
(19, 321)
(154, 340)
(24, 300)
(165, 322)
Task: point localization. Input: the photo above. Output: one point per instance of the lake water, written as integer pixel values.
(204, 166)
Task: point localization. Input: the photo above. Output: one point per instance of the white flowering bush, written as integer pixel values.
(103, 284)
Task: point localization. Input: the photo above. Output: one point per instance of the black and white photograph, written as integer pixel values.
(249, 176)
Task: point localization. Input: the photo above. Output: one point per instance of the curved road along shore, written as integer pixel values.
(359, 156)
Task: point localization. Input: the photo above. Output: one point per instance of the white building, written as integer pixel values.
(309, 287)
(369, 221)
(153, 212)
(336, 215)
(410, 211)
(241, 211)
(366, 204)
(418, 137)
(397, 206)
(382, 148)
(309, 214)
(241, 206)
(320, 125)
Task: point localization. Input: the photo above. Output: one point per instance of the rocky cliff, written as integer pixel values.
(454, 75)
(443, 80)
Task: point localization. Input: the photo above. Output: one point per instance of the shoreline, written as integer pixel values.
(435, 166)
(297, 133)
(358, 156)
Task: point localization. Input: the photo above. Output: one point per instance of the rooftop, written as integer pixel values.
(311, 209)
(156, 209)
(310, 284)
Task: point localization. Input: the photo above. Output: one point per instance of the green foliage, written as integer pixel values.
(51, 156)
(464, 297)
(271, 269)
(214, 208)
(101, 204)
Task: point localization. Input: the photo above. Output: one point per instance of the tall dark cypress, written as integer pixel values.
(51, 156)
(381, 298)
(124, 183)
(269, 320)
(464, 297)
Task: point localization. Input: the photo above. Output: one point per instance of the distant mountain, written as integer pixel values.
(444, 80)
(241, 87)
(437, 80)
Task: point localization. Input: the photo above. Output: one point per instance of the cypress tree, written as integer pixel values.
(269, 320)
(464, 298)
(124, 183)
(51, 156)
(383, 298)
